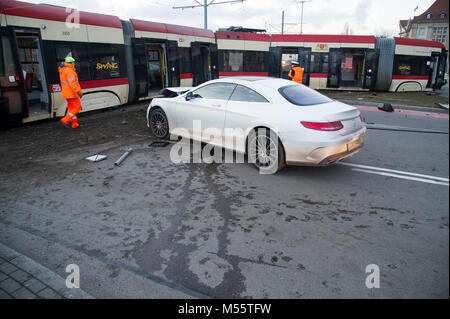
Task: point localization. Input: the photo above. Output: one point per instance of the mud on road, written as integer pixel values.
(20, 145)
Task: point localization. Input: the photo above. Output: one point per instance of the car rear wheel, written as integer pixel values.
(265, 151)
(159, 124)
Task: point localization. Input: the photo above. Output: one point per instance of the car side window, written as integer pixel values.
(244, 94)
(216, 91)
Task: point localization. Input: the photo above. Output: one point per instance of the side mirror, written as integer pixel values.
(188, 96)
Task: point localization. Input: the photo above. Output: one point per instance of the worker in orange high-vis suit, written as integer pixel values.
(71, 91)
(296, 72)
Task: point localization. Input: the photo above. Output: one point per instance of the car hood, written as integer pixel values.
(175, 91)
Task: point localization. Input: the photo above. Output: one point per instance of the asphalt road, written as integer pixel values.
(154, 229)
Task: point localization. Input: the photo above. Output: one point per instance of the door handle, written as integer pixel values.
(216, 105)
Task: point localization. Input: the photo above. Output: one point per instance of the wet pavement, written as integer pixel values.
(154, 229)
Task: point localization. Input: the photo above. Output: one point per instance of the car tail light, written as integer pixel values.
(361, 118)
(320, 126)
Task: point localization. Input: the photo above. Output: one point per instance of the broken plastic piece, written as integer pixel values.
(96, 158)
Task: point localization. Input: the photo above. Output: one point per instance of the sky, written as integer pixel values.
(363, 17)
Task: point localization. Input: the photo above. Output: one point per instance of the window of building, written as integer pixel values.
(421, 33)
(443, 15)
(439, 34)
(429, 15)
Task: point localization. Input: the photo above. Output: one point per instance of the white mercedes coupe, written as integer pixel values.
(275, 122)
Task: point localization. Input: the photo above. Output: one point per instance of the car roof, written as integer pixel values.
(256, 81)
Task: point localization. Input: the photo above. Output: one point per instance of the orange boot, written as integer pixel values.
(66, 119)
(75, 123)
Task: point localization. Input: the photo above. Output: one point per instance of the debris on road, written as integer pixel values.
(96, 158)
(122, 158)
(159, 144)
(444, 106)
(387, 107)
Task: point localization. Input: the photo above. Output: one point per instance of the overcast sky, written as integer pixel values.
(376, 17)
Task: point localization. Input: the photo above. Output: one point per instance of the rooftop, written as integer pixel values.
(435, 9)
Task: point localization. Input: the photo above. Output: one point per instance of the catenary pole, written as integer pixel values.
(205, 6)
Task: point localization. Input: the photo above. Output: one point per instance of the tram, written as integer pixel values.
(119, 61)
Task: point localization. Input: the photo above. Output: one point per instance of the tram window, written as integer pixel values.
(82, 63)
(325, 63)
(319, 63)
(315, 63)
(62, 52)
(7, 65)
(105, 61)
(255, 61)
(410, 65)
(173, 64)
(185, 57)
(232, 61)
(79, 53)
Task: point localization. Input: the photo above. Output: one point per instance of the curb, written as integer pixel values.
(23, 278)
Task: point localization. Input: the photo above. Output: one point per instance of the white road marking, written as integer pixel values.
(401, 176)
(396, 172)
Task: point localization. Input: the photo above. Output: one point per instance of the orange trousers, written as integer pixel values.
(73, 107)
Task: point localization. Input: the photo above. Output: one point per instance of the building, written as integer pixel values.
(432, 24)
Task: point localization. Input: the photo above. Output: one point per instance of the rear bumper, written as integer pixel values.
(329, 154)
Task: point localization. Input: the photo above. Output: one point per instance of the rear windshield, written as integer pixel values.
(302, 95)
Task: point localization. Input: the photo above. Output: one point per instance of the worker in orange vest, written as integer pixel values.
(296, 72)
(71, 91)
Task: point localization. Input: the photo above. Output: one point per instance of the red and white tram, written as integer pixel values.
(124, 61)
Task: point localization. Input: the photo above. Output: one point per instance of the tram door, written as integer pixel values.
(352, 68)
(31, 62)
(304, 58)
(12, 90)
(334, 70)
(287, 56)
(201, 67)
(156, 68)
(433, 67)
(370, 69)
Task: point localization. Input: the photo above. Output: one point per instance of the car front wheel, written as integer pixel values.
(159, 124)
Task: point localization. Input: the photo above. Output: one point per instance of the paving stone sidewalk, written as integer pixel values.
(23, 278)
